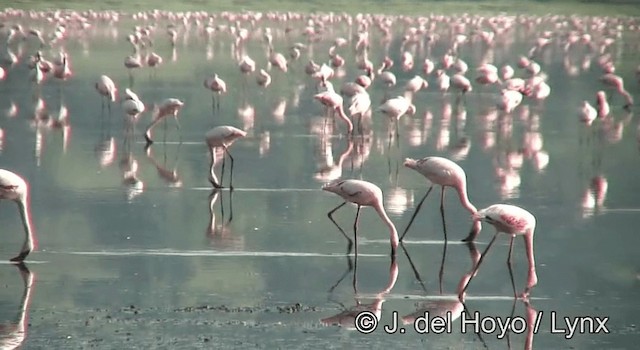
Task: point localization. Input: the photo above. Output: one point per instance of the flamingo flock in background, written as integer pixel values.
(430, 60)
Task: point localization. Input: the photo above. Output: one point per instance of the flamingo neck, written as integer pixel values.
(393, 232)
(464, 198)
(212, 174)
(25, 214)
(344, 117)
(476, 226)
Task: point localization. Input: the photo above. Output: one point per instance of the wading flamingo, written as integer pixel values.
(443, 172)
(222, 136)
(107, 89)
(362, 193)
(15, 188)
(168, 107)
(218, 87)
(511, 220)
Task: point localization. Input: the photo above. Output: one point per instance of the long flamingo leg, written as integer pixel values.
(330, 215)
(532, 278)
(415, 213)
(510, 265)
(475, 270)
(355, 239)
(444, 225)
(230, 170)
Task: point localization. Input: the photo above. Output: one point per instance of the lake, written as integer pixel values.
(136, 250)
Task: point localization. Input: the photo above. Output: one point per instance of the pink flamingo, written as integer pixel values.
(443, 172)
(617, 83)
(132, 105)
(333, 101)
(168, 107)
(222, 136)
(218, 87)
(395, 108)
(15, 188)
(511, 220)
(263, 78)
(107, 89)
(587, 113)
(603, 105)
(362, 193)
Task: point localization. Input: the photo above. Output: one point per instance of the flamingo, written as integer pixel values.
(107, 89)
(617, 83)
(132, 105)
(333, 101)
(511, 220)
(263, 78)
(168, 107)
(218, 87)
(395, 108)
(362, 193)
(444, 172)
(15, 188)
(360, 104)
(587, 113)
(222, 136)
(603, 105)
(154, 60)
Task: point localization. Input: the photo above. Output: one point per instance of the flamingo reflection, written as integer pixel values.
(220, 234)
(346, 318)
(170, 176)
(441, 307)
(13, 334)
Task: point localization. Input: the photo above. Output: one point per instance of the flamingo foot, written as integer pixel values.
(215, 184)
(20, 256)
(148, 139)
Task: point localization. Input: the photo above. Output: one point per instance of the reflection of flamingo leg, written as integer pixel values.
(413, 267)
(441, 273)
(345, 274)
(475, 270)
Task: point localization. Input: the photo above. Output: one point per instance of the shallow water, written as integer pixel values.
(161, 262)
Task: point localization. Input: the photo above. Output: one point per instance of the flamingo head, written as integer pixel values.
(412, 109)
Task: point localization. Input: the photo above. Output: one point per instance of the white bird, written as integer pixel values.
(132, 105)
(222, 136)
(107, 89)
(168, 107)
(15, 188)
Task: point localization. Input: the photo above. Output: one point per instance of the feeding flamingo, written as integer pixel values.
(362, 193)
(511, 220)
(443, 172)
(15, 188)
(107, 89)
(222, 136)
(168, 107)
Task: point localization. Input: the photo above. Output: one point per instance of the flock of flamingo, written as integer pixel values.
(431, 48)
